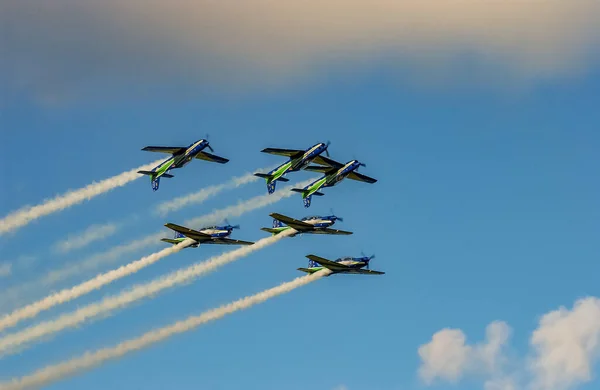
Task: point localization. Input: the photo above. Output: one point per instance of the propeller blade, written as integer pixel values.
(340, 219)
(210, 147)
(327, 148)
(236, 226)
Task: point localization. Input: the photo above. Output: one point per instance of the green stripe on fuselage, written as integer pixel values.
(280, 171)
(314, 187)
(165, 167)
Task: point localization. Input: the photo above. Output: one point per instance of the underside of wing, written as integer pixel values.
(190, 233)
(291, 222)
(165, 149)
(317, 168)
(327, 161)
(211, 157)
(360, 177)
(332, 265)
(228, 241)
(283, 152)
(363, 271)
(331, 231)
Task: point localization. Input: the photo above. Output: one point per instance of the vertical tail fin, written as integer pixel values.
(307, 201)
(277, 223)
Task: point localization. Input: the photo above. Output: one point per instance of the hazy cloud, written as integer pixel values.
(565, 347)
(63, 48)
(5, 269)
(89, 235)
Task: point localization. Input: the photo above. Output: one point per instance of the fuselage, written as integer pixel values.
(319, 222)
(213, 231)
(330, 180)
(352, 262)
(296, 164)
(180, 160)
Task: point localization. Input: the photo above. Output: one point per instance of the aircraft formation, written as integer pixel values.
(333, 173)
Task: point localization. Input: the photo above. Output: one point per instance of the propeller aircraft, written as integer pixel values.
(181, 156)
(342, 265)
(206, 235)
(298, 160)
(334, 173)
(314, 224)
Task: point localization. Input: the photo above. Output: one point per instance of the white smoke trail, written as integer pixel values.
(216, 216)
(15, 294)
(205, 193)
(10, 343)
(23, 216)
(86, 287)
(50, 374)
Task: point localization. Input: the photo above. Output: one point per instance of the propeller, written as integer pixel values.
(368, 258)
(327, 148)
(232, 226)
(208, 144)
(338, 218)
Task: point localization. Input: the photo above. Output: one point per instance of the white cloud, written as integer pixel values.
(565, 347)
(448, 357)
(268, 42)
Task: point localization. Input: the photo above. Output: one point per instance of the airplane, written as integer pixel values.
(181, 156)
(206, 235)
(333, 174)
(298, 160)
(342, 265)
(314, 224)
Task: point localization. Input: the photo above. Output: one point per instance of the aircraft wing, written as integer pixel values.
(228, 241)
(359, 177)
(283, 152)
(332, 265)
(211, 157)
(331, 231)
(293, 223)
(165, 149)
(191, 233)
(327, 161)
(363, 271)
(316, 168)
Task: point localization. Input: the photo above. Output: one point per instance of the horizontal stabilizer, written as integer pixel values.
(300, 190)
(170, 241)
(167, 175)
(149, 173)
(270, 230)
(264, 175)
(317, 193)
(283, 179)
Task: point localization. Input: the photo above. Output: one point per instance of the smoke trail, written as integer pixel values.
(86, 287)
(9, 343)
(205, 193)
(216, 216)
(93, 262)
(27, 214)
(50, 374)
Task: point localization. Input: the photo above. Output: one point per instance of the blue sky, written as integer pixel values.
(486, 209)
